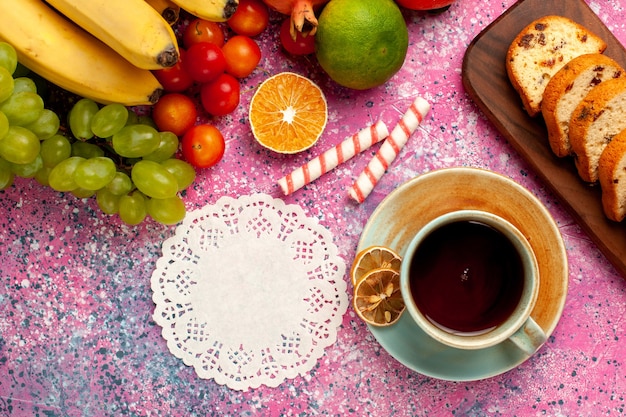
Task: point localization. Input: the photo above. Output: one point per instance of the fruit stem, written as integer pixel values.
(303, 20)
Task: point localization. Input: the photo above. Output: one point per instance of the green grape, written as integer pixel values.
(19, 145)
(135, 141)
(168, 146)
(6, 174)
(55, 149)
(8, 183)
(22, 108)
(120, 184)
(147, 121)
(166, 211)
(86, 149)
(24, 84)
(46, 125)
(80, 118)
(152, 179)
(94, 173)
(42, 175)
(28, 170)
(109, 120)
(133, 119)
(4, 125)
(6, 84)
(185, 173)
(108, 202)
(82, 193)
(132, 208)
(8, 57)
(61, 177)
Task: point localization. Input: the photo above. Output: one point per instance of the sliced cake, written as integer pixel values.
(612, 175)
(597, 118)
(565, 91)
(540, 50)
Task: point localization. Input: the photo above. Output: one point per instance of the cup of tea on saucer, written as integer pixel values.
(470, 280)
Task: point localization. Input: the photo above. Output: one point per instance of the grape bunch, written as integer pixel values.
(106, 151)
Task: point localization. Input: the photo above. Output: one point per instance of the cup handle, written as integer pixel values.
(529, 337)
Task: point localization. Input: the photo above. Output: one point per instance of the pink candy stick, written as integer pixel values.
(315, 168)
(388, 151)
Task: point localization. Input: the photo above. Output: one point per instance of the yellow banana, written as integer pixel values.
(131, 27)
(166, 8)
(213, 10)
(66, 55)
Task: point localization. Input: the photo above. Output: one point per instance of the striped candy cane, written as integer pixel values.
(325, 162)
(388, 151)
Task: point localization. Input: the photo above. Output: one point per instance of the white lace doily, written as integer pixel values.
(249, 291)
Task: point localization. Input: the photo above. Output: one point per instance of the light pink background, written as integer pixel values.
(76, 333)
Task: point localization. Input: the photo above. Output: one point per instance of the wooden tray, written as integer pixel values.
(486, 82)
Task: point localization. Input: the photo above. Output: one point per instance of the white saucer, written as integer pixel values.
(404, 211)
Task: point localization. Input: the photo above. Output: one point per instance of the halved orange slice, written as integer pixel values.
(288, 113)
(377, 297)
(371, 258)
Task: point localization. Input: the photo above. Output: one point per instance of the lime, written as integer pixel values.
(361, 43)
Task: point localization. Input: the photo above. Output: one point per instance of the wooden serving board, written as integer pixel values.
(485, 80)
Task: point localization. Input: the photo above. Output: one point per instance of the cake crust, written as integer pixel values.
(612, 176)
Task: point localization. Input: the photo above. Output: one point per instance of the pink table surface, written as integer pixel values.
(76, 331)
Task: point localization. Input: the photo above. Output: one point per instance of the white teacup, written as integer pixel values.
(470, 280)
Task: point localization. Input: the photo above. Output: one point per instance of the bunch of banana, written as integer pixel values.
(132, 28)
(67, 55)
(213, 10)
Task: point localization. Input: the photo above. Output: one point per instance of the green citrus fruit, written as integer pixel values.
(361, 43)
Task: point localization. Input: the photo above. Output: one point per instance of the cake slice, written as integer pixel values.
(540, 50)
(612, 176)
(597, 118)
(567, 88)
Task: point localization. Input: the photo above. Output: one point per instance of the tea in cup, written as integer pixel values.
(470, 280)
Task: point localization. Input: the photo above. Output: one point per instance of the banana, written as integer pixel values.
(66, 55)
(166, 8)
(131, 27)
(213, 10)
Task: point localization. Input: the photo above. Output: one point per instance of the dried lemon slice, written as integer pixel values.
(377, 297)
(372, 258)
